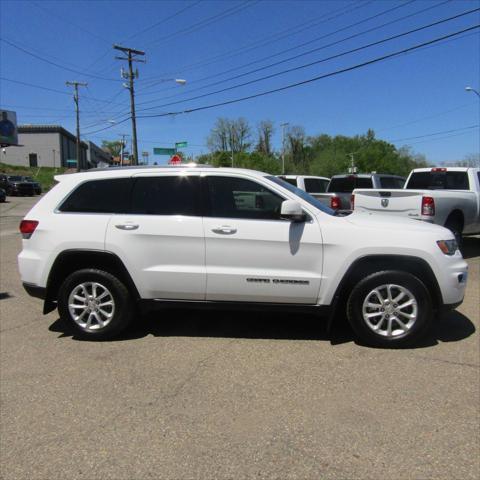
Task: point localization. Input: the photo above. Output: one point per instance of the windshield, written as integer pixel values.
(302, 194)
(15, 178)
(28, 179)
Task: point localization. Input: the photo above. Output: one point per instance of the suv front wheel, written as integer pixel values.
(96, 303)
(390, 308)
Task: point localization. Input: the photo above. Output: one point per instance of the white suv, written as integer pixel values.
(102, 243)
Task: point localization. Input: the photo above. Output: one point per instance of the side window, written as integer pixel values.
(315, 185)
(239, 198)
(99, 196)
(175, 195)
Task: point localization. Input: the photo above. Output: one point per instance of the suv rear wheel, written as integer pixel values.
(390, 308)
(96, 303)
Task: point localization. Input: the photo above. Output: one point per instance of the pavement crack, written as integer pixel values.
(449, 362)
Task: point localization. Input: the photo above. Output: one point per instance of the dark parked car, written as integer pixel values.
(3, 195)
(36, 185)
(15, 185)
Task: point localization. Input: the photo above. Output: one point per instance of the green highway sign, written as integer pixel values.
(181, 145)
(164, 151)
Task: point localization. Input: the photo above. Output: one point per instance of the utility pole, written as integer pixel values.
(283, 125)
(231, 141)
(130, 76)
(122, 146)
(75, 98)
(353, 168)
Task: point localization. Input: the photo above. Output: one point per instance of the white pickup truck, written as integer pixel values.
(447, 196)
(309, 183)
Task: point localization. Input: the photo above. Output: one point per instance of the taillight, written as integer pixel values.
(352, 202)
(438, 169)
(428, 206)
(27, 227)
(334, 203)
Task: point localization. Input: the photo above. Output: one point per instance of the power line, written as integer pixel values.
(161, 22)
(317, 78)
(299, 55)
(435, 133)
(38, 57)
(33, 86)
(300, 67)
(67, 20)
(207, 21)
(272, 38)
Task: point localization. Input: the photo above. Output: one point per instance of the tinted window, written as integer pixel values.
(348, 184)
(316, 185)
(238, 198)
(438, 181)
(291, 181)
(99, 196)
(15, 178)
(391, 182)
(177, 195)
(302, 194)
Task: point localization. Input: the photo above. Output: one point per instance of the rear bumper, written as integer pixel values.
(35, 290)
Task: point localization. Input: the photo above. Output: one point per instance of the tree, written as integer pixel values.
(114, 148)
(265, 131)
(228, 135)
(296, 148)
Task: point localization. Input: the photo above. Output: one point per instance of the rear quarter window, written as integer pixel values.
(99, 196)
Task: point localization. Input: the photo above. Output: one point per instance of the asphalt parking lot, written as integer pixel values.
(227, 395)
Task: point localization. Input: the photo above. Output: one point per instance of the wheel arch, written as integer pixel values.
(364, 266)
(456, 215)
(69, 261)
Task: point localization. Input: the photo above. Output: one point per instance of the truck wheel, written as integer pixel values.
(390, 309)
(455, 225)
(96, 303)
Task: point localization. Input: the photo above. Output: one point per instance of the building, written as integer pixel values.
(45, 146)
(97, 157)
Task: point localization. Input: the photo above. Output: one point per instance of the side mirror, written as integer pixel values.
(292, 210)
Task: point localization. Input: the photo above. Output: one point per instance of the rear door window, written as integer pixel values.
(167, 195)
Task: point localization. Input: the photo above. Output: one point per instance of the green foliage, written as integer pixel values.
(113, 147)
(251, 160)
(44, 175)
(321, 155)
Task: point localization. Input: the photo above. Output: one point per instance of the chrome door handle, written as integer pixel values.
(224, 230)
(127, 226)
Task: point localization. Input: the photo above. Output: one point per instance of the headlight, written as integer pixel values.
(448, 247)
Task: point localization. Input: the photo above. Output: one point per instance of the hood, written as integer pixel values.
(386, 222)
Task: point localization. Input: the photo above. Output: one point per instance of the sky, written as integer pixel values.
(224, 49)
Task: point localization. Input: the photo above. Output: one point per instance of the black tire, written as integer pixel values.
(455, 225)
(122, 310)
(393, 281)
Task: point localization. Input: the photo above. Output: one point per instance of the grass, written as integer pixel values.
(44, 175)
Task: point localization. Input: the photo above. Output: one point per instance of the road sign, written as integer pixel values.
(175, 160)
(8, 128)
(181, 144)
(164, 151)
